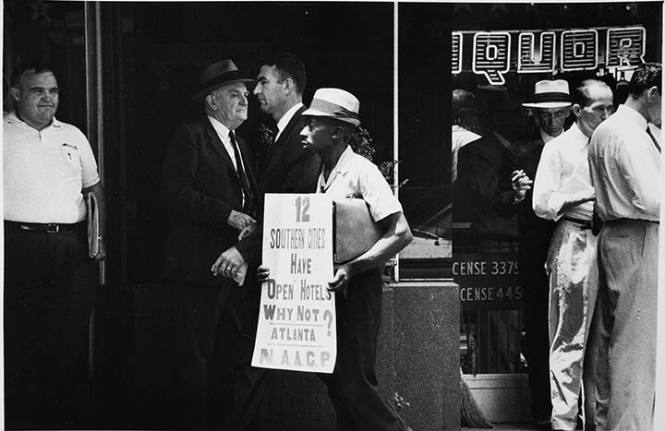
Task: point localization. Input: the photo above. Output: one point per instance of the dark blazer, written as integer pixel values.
(535, 232)
(481, 168)
(289, 168)
(200, 188)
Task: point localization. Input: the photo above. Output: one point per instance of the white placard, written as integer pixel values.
(296, 328)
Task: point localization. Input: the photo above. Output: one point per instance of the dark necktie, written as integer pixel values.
(653, 138)
(247, 192)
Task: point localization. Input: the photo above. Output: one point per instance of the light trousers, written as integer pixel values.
(623, 338)
(573, 279)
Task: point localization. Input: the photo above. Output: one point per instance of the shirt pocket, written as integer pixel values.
(71, 157)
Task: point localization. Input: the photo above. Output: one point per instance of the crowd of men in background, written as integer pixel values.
(214, 191)
(587, 205)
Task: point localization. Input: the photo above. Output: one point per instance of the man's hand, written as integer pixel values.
(521, 183)
(246, 231)
(262, 273)
(340, 279)
(101, 254)
(239, 220)
(228, 263)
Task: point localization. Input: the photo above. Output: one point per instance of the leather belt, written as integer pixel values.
(629, 220)
(46, 227)
(584, 224)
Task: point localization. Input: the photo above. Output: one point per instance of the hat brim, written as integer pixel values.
(199, 95)
(311, 112)
(547, 104)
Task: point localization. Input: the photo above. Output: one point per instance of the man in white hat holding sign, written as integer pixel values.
(353, 388)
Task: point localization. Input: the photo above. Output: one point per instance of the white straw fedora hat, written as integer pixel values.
(550, 94)
(335, 103)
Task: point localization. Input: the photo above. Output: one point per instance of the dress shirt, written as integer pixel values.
(563, 175)
(223, 133)
(356, 177)
(284, 121)
(44, 172)
(657, 134)
(625, 168)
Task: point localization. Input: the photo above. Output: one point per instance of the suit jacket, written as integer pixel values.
(535, 232)
(289, 168)
(200, 187)
(480, 170)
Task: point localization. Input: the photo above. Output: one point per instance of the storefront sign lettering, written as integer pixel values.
(487, 280)
(494, 53)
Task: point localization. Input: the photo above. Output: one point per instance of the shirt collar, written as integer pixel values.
(633, 115)
(545, 137)
(11, 117)
(344, 163)
(282, 123)
(341, 168)
(577, 133)
(220, 128)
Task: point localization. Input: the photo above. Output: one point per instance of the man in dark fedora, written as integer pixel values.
(288, 168)
(210, 191)
(550, 105)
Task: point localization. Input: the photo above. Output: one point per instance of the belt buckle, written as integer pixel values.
(52, 228)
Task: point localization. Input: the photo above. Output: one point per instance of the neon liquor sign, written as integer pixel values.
(575, 50)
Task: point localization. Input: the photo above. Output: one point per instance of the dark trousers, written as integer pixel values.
(536, 298)
(353, 386)
(50, 285)
(219, 387)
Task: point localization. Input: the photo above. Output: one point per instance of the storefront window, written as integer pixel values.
(499, 251)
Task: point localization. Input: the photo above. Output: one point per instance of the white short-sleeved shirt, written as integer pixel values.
(356, 177)
(45, 171)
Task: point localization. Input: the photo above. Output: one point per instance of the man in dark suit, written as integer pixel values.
(551, 107)
(209, 188)
(288, 167)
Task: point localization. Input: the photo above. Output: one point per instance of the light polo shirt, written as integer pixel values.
(45, 171)
(563, 175)
(625, 168)
(356, 177)
(284, 121)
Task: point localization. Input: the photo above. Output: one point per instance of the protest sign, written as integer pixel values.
(296, 327)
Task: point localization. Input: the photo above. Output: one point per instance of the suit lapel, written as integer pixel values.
(286, 134)
(289, 127)
(216, 143)
(248, 161)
